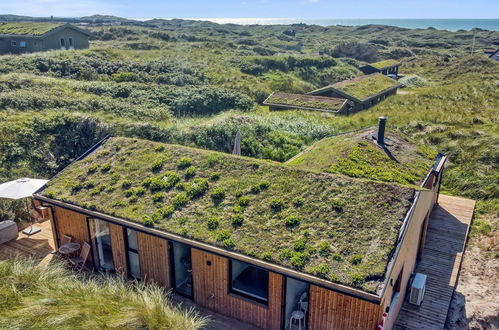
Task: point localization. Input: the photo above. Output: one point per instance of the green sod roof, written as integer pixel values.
(364, 86)
(384, 64)
(335, 227)
(357, 155)
(305, 101)
(27, 28)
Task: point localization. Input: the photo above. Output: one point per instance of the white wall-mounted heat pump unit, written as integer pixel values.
(418, 287)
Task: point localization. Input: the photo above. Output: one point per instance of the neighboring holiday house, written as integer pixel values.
(385, 67)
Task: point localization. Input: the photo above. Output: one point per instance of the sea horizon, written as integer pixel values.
(450, 24)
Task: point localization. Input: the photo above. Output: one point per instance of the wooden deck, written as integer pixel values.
(39, 245)
(441, 261)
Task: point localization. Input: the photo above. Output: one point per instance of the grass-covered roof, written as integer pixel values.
(364, 86)
(305, 101)
(384, 64)
(357, 155)
(335, 227)
(27, 28)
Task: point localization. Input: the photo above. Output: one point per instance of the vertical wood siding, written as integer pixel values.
(119, 251)
(333, 310)
(211, 290)
(73, 224)
(154, 259)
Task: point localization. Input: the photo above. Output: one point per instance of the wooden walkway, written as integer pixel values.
(441, 261)
(39, 245)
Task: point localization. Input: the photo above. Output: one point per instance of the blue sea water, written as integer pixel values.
(441, 24)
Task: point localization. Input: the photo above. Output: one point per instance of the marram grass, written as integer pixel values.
(52, 297)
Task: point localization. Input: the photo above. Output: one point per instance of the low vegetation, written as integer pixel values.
(365, 86)
(384, 64)
(35, 28)
(305, 101)
(52, 297)
(251, 208)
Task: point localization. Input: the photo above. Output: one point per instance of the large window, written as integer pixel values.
(133, 254)
(103, 244)
(182, 267)
(70, 42)
(249, 281)
(63, 42)
(22, 44)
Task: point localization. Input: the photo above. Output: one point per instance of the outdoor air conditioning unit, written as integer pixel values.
(418, 287)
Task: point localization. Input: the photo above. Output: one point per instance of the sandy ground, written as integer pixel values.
(475, 304)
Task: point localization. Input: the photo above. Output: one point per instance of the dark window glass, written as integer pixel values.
(63, 42)
(249, 281)
(70, 42)
(133, 253)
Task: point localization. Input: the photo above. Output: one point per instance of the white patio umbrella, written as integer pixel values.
(22, 188)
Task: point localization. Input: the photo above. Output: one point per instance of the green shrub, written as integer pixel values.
(337, 204)
(184, 162)
(336, 257)
(75, 187)
(292, 221)
(321, 270)
(119, 203)
(126, 184)
(285, 254)
(197, 188)
(158, 197)
(324, 248)
(238, 209)
(179, 200)
(255, 189)
(239, 193)
(92, 168)
(105, 168)
(276, 204)
(212, 223)
(159, 148)
(140, 191)
(356, 259)
(218, 194)
(298, 202)
(299, 260)
(215, 176)
(190, 172)
(223, 235)
(228, 243)
(237, 220)
(133, 199)
(115, 178)
(129, 192)
(147, 221)
(300, 244)
(157, 165)
(263, 185)
(243, 201)
(267, 256)
(358, 280)
(167, 211)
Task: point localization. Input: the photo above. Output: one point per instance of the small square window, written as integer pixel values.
(249, 281)
(13, 43)
(22, 44)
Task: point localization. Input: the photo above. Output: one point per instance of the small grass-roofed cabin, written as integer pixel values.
(27, 37)
(286, 101)
(384, 67)
(361, 92)
(247, 238)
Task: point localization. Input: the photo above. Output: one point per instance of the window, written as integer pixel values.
(13, 43)
(132, 253)
(249, 281)
(22, 44)
(70, 40)
(395, 290)
(63, 42)
(182, 268)
(103, 245)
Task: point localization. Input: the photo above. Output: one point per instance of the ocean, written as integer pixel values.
(441, 24)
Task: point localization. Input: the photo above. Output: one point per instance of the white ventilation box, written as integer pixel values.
(418, 287)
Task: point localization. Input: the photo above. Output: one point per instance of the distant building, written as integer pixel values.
(385, 67)
(361, 92)
(287, 101)
(28, 37)
(492, 53)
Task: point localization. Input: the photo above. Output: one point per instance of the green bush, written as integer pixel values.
(197, 188)
(238, 209)
(190, 172)
(215, 176)
(336, 257)
(324, 248)
(285, 254)
(276, 204)
(167, 211)
(179, 200)
(119, 203)
(321, 270)
(299, 259)
(358, 280)
(157, 165)
(237, 220)
(129, 192)
(300, 244)
(356, 259)
(184, 162)
(223, 235)
(212, 223)
(218, 194)
(126, 184)
(267, 256)
(228, 243)
(105, 168)
(337, 204)
(298, 202)
(92, 168)
(158, 197)
(292, 221)
(243, 201)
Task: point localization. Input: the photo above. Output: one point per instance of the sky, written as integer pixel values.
(256, 8)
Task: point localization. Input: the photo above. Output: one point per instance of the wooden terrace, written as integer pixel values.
(441, 261)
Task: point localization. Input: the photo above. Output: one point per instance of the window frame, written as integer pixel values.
(13, 43)
(129, 250)
(70, 42)
(242, 295)
(23, 44)
(62, 42)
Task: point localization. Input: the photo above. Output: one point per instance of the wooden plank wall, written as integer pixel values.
(336, 311)
(119, 251)
(406, 259)
(154, 259)
(73, 224)
(211, 290)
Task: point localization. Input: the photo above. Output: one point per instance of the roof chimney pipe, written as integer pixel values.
(381, 130)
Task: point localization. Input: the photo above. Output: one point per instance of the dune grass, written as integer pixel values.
(24, 28)
(52, 297)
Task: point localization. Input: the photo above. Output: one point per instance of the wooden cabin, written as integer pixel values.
(385, 67)
(28, 37)
(289, 101)
(362, 92)
(492, 53)
(258, 241)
